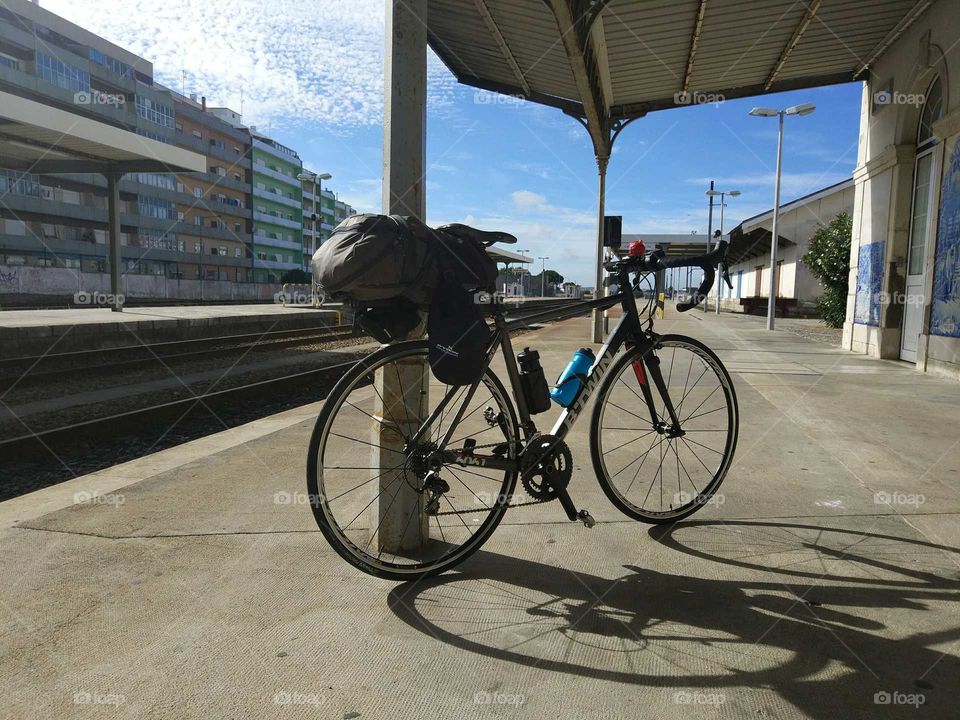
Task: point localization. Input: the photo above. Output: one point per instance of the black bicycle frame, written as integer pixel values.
(627, 331)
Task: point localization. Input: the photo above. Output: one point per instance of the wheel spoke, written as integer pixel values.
(698, 393)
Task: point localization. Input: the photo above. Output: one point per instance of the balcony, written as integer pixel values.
(264, 170)
(276, 264)
(279, 221)
(280, 155)
(275, 242)
(226, 181)
(227, 155)
(277, 198)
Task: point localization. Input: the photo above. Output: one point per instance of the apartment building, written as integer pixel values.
(247, 219)
(277, 209)
(214, 208)
(191, 227)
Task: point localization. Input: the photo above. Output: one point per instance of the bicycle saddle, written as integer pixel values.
(484, 237)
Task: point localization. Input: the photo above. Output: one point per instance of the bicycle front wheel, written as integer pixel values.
(651, 468)
(388, 505)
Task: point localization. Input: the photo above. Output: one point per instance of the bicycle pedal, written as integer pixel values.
(586, 518)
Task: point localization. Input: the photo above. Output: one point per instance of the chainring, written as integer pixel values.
(546, 470)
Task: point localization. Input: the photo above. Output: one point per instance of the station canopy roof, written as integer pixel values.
(42, 139)
(609, 60)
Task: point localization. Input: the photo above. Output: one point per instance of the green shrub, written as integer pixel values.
(829, 261)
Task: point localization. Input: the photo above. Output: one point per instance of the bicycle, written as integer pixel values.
(438, 484)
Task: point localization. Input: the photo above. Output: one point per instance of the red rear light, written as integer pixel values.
(637, 249)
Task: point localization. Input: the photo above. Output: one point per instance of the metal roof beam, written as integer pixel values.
(575, 32)
(694, 42)
(891, 37)
(504, 48)
(638, 108)
(792, 43)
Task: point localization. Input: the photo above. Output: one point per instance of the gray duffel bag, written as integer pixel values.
(378, 257)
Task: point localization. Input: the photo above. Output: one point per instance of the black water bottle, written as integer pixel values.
(534, 384)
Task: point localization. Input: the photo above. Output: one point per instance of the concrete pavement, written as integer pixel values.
(823, 582)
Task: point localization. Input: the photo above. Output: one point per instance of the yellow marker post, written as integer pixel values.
(661, 305)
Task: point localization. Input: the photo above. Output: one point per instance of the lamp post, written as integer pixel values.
(804, 109)
(315, 178)
(543, 275)
(722, 194)
(523, 285)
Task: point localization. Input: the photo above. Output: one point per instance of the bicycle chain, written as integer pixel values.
(509, 505)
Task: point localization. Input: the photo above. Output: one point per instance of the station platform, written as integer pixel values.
(33, 332)
(194, 582)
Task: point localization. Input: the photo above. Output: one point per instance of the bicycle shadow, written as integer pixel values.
(825, 639)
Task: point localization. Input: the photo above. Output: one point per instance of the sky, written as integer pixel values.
(311, 76)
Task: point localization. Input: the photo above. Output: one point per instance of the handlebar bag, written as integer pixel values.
(458, 335)
(377, 257)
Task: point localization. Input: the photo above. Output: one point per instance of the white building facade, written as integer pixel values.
(799, 220)
(904, 300)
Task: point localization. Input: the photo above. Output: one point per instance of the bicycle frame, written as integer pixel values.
(627, 331)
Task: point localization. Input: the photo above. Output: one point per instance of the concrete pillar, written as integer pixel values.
(405, 108)
(404, 164)
(599, 324)
(113, 243)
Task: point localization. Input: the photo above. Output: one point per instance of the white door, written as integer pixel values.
(920, 224)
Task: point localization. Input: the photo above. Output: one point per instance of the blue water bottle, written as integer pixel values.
(565, 391)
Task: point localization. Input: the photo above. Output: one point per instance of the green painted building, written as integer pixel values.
(277, 209)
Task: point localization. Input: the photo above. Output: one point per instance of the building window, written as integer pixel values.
(198, 220)
(198, 192)
(110, 63)
(17, 183)
(157, 208)
(160, 180)
(11, 62)
(61, 74)
(155, 112)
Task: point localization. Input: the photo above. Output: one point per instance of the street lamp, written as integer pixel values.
(543, 275)
(521, 269)
(804, 109)
(722, 194)
(308, 176)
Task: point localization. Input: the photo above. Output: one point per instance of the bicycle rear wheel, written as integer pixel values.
(370, 495)
(650, 469)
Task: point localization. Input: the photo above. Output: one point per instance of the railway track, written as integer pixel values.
(25, 371)
(38, 459)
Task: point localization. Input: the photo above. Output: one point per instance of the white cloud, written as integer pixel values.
(527, 200)
(295, 62)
